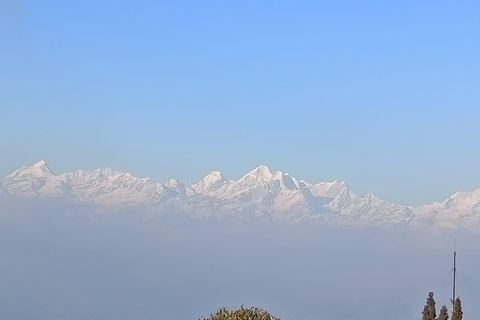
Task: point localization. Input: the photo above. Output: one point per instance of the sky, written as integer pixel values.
(381, 95)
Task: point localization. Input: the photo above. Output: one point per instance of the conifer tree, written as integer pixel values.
(457, 313)
(429, 311)
(426, 314)
(443, 313)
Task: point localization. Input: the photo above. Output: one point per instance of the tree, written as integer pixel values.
(443, 313)
(457, 313)
(241, 314)
(429, 311)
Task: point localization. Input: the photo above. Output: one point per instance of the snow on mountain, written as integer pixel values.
(211, 183)
(27, 181)
(460, 207)
(373, 210)
(103, 186)
(259, 175)
(259, 194)
(327, 189)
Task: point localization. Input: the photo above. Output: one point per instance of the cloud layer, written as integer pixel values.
(63, 261)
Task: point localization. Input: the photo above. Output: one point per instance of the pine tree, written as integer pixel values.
(457, 310)
(443, 313)
(425, 314)
(429, 311)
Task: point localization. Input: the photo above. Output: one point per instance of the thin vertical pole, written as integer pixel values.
(454, 270)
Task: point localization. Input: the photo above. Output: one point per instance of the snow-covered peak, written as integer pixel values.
(464, 205)
(38, 170)
(286, 180)
(278, 175)
(372, 198)
(258, 175)
(211, 182)
(328, 189)
(213, 177)
(42, 165)
(262, 170)
(259, 193)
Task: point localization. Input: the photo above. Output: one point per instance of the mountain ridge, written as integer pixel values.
(259, 193)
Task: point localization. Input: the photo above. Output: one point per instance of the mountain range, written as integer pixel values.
(260, 195)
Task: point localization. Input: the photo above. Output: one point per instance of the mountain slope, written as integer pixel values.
(463, 207)
(259, 194)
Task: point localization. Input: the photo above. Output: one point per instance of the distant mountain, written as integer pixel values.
(259, 194)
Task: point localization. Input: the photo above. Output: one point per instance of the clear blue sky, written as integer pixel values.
(382, 94)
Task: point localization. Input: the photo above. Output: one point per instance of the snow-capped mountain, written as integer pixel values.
(259, 194)
(460, 207)
(102, 186)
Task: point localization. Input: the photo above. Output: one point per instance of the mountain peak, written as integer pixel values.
(38, 168)
(278, 175)
(258, 175)
(214, 175)
(262, 170)
(259, 192)
(40, 163)
(210, 182)
(340, 183)
(212, 178)
(286, 180)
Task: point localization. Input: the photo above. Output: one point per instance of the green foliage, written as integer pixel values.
(240, 314)
(457, 310)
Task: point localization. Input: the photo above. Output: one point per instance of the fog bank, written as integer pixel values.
(64, 261)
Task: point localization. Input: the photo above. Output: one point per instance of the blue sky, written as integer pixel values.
(383, 95)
